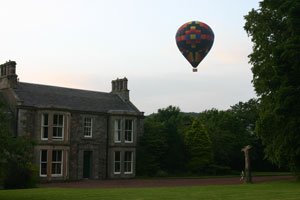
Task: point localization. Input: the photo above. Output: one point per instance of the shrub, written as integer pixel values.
(17, 176)
(218, 170)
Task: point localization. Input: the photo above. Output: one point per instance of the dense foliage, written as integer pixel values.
(161, 148)
(16, 169)
(199, 148)
(275, 32)
(209, 142)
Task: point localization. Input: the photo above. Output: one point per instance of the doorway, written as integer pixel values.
(87, 160)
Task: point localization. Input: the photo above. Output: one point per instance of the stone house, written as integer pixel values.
(80, 133)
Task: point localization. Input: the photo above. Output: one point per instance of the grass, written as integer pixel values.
(289, 190)
(272, 174)
(222, 176)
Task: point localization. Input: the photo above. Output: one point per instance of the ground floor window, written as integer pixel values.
(128, 162)
(117, 162)
(57, 162)
(44, 163)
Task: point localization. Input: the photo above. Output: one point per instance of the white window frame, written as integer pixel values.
(59, 126)
(43, 126)
(89, 127)
(128, 162)
(115, 162)
(129, 131)
(43, 162)
(117, 130)
(57, 162)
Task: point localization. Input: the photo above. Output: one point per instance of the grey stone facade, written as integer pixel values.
(80, 134)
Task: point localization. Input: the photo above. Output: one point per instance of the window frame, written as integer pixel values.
(43, 162)
(57, 162)
(128, 131)
(118, 130)
(43, 126)
(90, 127)
(117, 162)
(58, 126)
(128, 163)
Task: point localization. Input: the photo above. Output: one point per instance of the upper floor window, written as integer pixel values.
(45, 126)
(128, 130)
(58, 126)
(57, 162)
(128, 161)
(87, 127)
(118, 130)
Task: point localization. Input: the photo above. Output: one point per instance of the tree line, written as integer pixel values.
(210, 142)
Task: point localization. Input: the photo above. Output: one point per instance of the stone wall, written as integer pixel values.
(95, 144)
(122, 147)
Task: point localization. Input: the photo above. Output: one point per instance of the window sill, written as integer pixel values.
(57, 139)
(128, 173)
(56, 175)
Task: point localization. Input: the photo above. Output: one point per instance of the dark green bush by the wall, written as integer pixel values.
(17, 177)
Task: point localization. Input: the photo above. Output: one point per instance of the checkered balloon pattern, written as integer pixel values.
(194, 39)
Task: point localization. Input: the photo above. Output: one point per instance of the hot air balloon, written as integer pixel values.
(194, 40)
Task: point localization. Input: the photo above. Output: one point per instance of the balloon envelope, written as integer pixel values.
(194, 39)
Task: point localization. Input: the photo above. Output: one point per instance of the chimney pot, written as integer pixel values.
(119, 86)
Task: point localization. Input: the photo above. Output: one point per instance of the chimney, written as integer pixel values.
(8, 76)
(119, 86)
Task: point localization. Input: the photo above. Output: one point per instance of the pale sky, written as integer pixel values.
(87, 43)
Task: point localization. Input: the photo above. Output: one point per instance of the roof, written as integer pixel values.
(37, 95)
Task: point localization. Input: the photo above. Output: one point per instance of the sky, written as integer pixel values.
(86, 44)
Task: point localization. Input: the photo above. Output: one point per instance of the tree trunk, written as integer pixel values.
(248, 178)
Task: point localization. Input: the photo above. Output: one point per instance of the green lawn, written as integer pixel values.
(263, 191)
(272, 174)
(223, 176)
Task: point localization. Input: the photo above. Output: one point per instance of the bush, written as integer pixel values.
(218, 170)
(18, 176)
(161, 173)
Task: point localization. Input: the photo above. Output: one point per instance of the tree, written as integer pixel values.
(161, 147)
(174, 158)
(4, 137)
(16, 169)
(152, 148)
(227, 135)
(199, 148)
(275, 32)
(247, 113)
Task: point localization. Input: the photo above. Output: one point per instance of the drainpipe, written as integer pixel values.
(107, 143)
(17, 121)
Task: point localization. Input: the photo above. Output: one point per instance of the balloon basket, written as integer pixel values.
(195, 70)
